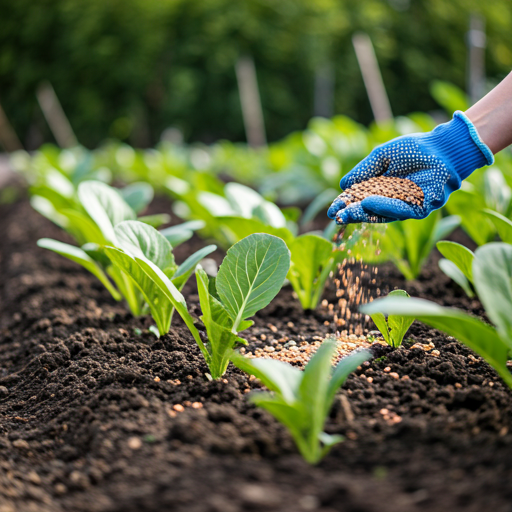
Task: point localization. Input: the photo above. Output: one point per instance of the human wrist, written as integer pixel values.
(492, 116)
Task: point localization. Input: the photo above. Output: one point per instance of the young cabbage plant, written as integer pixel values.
(312, 259)
(492, 278)
(138, 242)
(249, 277)
(457, 264)
(408, 243)
(234, 213)
(394, 327)
(301, 400)
(101, 209)
(468, 203)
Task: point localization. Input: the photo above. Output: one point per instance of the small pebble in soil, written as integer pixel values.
(134, 443)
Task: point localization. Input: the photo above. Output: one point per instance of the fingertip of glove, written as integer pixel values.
(336, 206)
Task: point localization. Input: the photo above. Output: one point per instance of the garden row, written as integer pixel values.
(135, 261)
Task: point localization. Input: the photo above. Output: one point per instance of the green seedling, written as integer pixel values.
(457, 264)
(492, 278)
(249, 277)
(301, 400)
(408, 243)
(94, 222)
(137, 242)
(482, 204)
(394, 327)
(312, 259)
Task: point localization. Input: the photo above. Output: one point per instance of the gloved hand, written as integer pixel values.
(436, 161)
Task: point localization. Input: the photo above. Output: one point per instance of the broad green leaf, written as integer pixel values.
(343, 369)
(137, 195)
(502, 224)
(478, 336)
(449, 96)
(105, 206)
(468, 205)
(156, 220)
(96, 252)
(456, 274)
(180, 277)
(275, 375)
(45, 207)
(160, 306)
(252, 274)
(496, 190)
(314, 387)
(83, 229)
(311, 261)
(243, 199)
(81, 257)
(237, 228)
(216, 205)
(269, 213)
(176, 235)
(461, 256)
(142, 240)
(492, 278)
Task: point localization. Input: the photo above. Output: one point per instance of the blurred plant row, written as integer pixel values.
(130, 69)
(228, 191)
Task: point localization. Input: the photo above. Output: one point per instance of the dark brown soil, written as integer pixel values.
(88, 425)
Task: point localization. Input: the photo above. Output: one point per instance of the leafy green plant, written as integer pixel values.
(249, 277)
(408, 243)
(138, 242)
(484, 192)
(94, 221)
(301, 400)
(394, 327)
(492, 278)
(233, 213)
(457, 264)
(312, 259)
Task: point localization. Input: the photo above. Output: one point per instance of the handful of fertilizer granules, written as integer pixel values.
(397, 188)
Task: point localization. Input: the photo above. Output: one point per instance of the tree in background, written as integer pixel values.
(128, 69)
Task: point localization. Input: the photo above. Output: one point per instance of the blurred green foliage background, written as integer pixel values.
(128, 69)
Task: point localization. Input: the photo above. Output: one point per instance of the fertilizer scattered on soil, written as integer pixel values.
(299, 354)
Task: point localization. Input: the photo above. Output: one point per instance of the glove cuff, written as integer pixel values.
(461, 145)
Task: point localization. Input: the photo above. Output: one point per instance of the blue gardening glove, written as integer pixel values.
(436, 161)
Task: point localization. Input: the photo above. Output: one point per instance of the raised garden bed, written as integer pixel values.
(96, 417)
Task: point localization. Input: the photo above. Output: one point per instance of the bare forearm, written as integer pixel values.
(492, 116)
